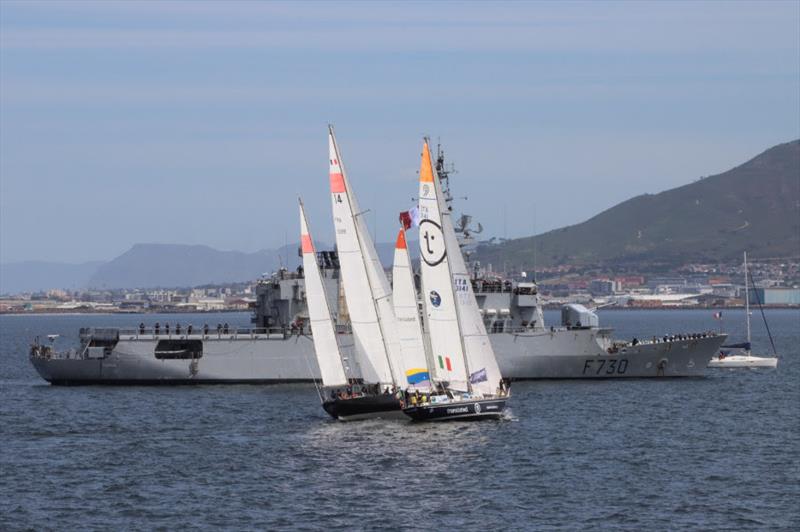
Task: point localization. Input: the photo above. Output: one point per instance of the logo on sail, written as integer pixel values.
(436, 299)
(431, 242)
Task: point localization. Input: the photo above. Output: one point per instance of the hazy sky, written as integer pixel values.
(201, 122)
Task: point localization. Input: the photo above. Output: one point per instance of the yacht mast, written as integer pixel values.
(747, 300)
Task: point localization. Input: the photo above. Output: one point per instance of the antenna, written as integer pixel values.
(533, 239)
(505, 221)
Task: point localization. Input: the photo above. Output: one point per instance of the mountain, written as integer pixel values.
(33, 276)
(754, 207)
(174, 265)
(160, 265)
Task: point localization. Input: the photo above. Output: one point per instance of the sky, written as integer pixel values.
(201, 122)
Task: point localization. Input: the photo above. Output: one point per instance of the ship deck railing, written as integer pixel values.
(669, 338)
(520, 329)
(231, 333)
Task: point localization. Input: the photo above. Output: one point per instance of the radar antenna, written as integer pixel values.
(463, 230)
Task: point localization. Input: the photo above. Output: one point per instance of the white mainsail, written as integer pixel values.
(367, 292)
(329, 356)
(460, 346)
(409, 330)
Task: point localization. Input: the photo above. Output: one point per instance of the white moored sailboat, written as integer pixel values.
(463, 365)
(746, 358)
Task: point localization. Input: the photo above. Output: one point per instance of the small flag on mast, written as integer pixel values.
(405, 218)
(410, 218)
(478, 376)
(414, 216)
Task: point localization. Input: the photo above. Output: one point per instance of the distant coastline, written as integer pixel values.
(74, 312)
(105, 312)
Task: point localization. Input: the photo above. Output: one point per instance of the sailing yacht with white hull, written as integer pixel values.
(468, 379)
(746, 358)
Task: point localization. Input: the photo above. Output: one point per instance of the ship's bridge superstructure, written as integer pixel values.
(281, 299)
(506, 306)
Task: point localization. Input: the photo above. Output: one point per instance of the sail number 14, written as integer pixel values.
(603, 366)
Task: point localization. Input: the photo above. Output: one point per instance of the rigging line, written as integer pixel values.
(763, 316)
(313, 379)
(437, 188)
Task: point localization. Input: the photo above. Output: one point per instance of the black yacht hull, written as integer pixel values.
(458, 411)
(366, 407)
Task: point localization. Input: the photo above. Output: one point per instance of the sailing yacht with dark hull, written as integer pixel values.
(365, 406)
(467, 378)
(348, 399)
(368, 297)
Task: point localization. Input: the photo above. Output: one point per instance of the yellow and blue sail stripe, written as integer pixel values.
(417, 375)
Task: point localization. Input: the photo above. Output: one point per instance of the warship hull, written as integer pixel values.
(590, 354)
(251, 359)
(262, 359)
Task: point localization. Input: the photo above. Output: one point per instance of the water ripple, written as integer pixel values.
(713, 453)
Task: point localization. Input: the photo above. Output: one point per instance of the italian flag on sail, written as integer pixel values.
(445, 361)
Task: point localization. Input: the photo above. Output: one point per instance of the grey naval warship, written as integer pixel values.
(278, 348)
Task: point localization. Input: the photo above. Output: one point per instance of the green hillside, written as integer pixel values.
(753, 207)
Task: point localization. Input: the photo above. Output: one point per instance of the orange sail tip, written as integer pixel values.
(306, 244)
(425, 168)
(401, 240)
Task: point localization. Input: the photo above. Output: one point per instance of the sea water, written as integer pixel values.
(719, 452)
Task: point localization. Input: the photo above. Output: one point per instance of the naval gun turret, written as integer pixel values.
(574, 316)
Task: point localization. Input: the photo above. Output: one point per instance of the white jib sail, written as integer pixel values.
(409, 330)
(367, 292)
(456, 323)
(326, 347)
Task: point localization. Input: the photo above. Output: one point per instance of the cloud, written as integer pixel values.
(413, 27)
